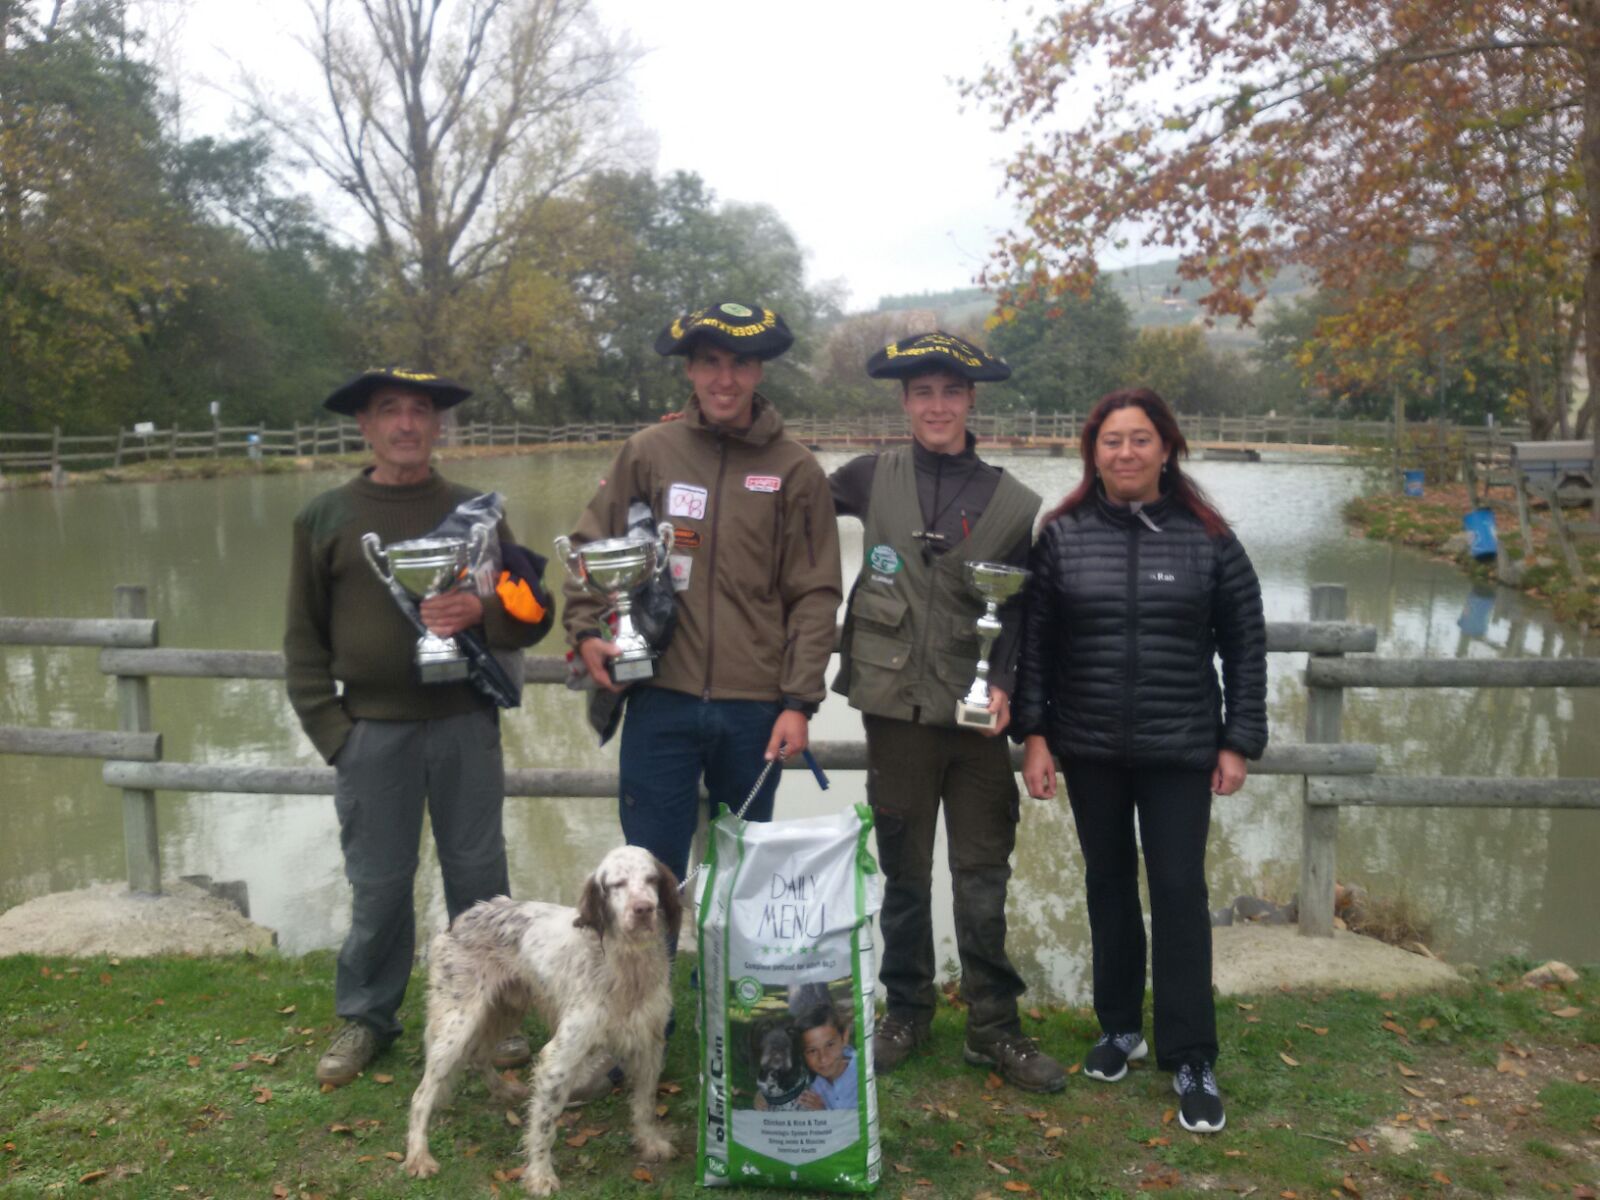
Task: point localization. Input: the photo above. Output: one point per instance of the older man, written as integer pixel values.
(397, 743)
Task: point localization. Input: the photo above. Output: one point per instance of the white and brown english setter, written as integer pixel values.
(599, 978)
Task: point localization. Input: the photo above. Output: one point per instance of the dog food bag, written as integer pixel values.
(787, 975)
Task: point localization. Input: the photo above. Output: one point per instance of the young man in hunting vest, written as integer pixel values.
(910, 653)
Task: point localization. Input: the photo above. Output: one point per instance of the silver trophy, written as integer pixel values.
(995, 583)
(614, 567)
(420, 569)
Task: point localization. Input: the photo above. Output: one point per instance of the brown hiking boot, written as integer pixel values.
(1018, 1060)
(510, 1053)
(347, 1055)
(894, 1041)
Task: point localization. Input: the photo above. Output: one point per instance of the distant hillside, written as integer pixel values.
(1152, 291)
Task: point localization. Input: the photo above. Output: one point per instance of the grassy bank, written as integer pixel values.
(1428, 523)
(193, 1078)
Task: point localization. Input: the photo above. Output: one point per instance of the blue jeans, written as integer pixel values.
(669, 740)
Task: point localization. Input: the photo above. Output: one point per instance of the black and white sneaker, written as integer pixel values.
(1199, 1100)
(1108, 1058)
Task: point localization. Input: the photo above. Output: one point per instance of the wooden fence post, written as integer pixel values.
(116, 460)
(140, 838)
(1319, 828)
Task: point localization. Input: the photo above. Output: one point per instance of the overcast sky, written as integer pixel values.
(844, 116)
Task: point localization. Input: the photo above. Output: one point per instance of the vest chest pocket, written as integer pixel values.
(874, 609)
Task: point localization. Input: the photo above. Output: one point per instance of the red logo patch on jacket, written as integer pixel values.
(762, 483)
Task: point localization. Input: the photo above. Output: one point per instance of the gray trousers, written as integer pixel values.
(911, 769)
(388, 771)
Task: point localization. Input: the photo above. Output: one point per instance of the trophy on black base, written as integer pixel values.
(613, 568)
(995, 583)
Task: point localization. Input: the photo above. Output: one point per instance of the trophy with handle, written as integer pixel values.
(416, 570)
(613, 568)
(994, 583)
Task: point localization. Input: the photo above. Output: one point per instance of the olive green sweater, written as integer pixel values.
(343, 626)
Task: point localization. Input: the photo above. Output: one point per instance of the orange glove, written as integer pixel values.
(518, 599)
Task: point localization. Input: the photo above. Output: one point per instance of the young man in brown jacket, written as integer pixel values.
(755, 574)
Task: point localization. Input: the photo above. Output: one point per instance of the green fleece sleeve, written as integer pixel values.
(308, 649)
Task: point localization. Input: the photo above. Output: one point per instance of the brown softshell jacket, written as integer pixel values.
(757, 546)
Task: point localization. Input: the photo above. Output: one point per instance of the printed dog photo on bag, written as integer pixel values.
(794, 1047)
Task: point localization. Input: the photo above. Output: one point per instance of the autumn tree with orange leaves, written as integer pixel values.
(1423, 159)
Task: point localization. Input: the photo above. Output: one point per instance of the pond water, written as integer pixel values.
(213, 555)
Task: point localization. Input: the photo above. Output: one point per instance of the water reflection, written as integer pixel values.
(213, 553)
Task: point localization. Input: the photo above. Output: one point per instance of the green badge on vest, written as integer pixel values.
(883, 559)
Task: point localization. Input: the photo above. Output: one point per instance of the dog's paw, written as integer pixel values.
(654, 1146)
(422, 1166)
(540, 1181)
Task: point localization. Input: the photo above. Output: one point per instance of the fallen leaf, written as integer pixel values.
(1441, 1177)
(383, 1079)
(1319, 1030)
(661, 1110)
(1360, 1146)
(1166, 1117)
(1411, 1091)
(1580, 1077)
(282, 1012)
(326, 1088)
(366, 1158)
(92, 1176)
(1293, 1062)
(337, 1128)
(243, 1065)
(1252, 1020)
(394, 1155)
(1016, 1185)
(1036, 1014)
(577, 1141)
(83, 1045)
(1038, 1114)
(238, 1041)
(263, 1094)
(1074, 1068)
(1386, 995)
(1428, 1023)
(279, 1192)
(643, 1176)
(1054, 1131)
(1395, 1028)
(194, 1060)
(1407, 1071)
(671, 1089)
(1401, 1118)
(1233, 1154)
(1159, 1141)
(994, 1083)
(1569, 1011)
(594, 1131)
(512, 1118)
(901, 1168)
(1243, 1007)
(1349, 1185)
(1288, 1196)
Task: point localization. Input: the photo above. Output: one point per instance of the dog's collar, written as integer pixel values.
(790, 1096)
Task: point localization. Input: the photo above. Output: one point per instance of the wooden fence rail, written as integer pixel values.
(1335, 773)
(54, 452)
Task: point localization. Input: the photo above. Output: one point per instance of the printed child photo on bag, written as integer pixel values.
(797, 1052)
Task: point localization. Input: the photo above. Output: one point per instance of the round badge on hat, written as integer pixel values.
(742, 328)
(350, 398)
(936, 352)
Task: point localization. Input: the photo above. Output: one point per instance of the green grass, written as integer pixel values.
(192, 1078)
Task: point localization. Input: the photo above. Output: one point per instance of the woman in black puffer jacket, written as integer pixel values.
(1138, 586)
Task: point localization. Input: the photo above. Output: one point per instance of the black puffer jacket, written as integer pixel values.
(1122, 627)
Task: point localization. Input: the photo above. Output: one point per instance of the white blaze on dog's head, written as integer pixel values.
(631, 891)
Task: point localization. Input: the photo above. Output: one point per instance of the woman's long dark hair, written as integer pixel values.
(1174, 482)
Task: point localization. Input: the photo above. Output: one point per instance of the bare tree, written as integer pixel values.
(452, 124)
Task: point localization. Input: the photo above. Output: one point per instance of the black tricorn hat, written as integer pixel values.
(742, 328)
(936, 351)
(350, 398)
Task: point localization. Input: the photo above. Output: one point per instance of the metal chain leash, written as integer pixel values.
(761, 780)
